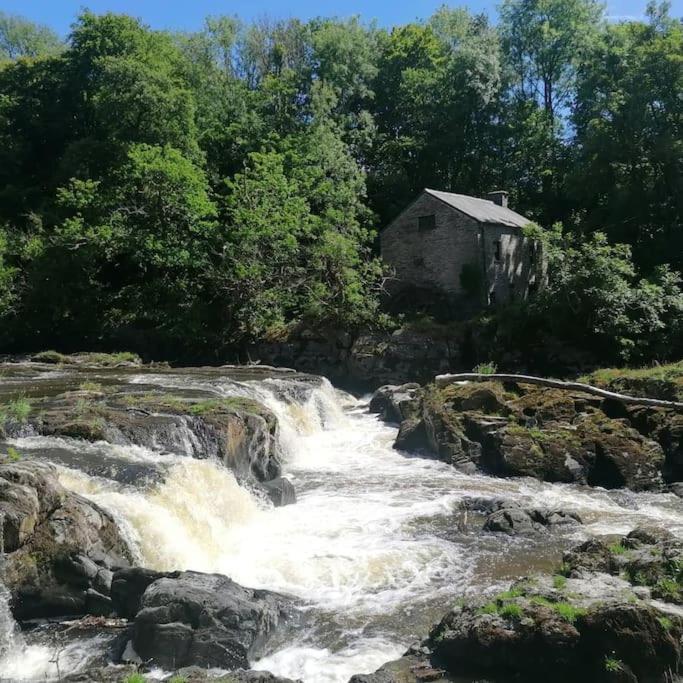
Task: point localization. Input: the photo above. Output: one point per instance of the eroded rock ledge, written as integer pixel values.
(608, 614)
(523, 430)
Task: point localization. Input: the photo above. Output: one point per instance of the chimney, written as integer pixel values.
(499, 197)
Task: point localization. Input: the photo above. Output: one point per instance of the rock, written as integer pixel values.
(547, 434)
(592, 555)
(411, 668)
(648, 535)
(205, 620)
(396, 403)
(528, 633)
(119, 673)
(512, 521)
(412, 436)
(128, 586)
(60, 547)
(280, 491)
(517, 520)
(240, 432)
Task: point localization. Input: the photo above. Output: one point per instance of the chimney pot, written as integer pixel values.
(499, 197)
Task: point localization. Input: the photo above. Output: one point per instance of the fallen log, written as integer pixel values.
(445, 380)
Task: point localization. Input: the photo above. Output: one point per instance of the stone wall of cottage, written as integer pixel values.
(437, 257)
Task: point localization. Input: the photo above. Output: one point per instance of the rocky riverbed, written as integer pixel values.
(254, 524)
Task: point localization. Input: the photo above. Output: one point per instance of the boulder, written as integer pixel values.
(280, 491)
(547, 434)
(206, 620)
(513, 519)
(396, 403)
(529, 633)
(60, 547)
(119, 673)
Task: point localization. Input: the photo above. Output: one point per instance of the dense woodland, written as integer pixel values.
(177, 192)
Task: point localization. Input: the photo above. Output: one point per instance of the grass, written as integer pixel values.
(511, 610)
(178, 679)
(665, 623)
(134, 678)
(91, 386)
(559, 582)
(51, 356)
(613, 665)
(669, 377)
(668, 587)
(568, 612)
(485, 369)
(617, 549)
(18, 410)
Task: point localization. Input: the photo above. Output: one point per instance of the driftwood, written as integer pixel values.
(445, 380)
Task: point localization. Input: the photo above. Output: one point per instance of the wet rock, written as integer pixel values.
(128, 586)
(205, 620)
(60, 548)
(396, 403)
(411, 668)
(592, 555)
(240, 432)
(547, 434)
(517, 520)
(526, 633)
(119, 673)
(280, 491)
(412, 436)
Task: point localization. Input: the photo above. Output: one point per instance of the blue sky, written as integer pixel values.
(188, 15)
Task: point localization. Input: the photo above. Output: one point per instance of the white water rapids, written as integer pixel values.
(372, 546)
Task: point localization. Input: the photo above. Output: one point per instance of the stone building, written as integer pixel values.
(464, 252)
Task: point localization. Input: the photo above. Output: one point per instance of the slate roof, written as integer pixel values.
(481, 210)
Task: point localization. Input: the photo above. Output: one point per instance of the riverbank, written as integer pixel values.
(379, 544)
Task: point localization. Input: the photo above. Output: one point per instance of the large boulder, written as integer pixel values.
(396, 403)
(515, 519)
(189, 618)
(523, 430)
(589, 630)
(60, 548)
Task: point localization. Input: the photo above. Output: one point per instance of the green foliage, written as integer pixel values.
(568, 612)
(617, 549)
(13, 454)
(22, 38)
(485, 369)
(666, 623)
(559, 582)
(134, 678)
(17, 410)
(190, 193)
(511, 610)
(613, 665)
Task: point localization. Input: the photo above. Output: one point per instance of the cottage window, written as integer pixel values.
(497, 250)
(426, 222)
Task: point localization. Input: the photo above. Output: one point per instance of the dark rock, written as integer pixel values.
(547, 434)
(128, 586)
(592, 555)
(59, 546)
(205, 620)
(647, 535)
(280, 491)
(410, 668)
(524, 636)
(412, 436)
(117, 674)
(512, 519)
(397, 403)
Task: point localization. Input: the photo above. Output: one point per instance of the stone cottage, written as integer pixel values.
(464, 251)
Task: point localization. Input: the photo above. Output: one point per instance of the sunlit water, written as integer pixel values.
(374, 548)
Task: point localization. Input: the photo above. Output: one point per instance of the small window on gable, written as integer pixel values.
(497, 250)
(426, 222)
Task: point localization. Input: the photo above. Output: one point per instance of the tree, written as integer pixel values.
(22, 38)
(628, 174)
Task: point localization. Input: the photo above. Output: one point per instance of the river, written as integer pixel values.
(375, 548)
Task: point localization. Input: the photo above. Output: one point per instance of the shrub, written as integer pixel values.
(51, 356)
(617, 549)
(665, 623)
(486, 369)
(135, 678)
(13, 454)
(613, 665)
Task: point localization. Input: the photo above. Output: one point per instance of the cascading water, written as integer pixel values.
(372, 547)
